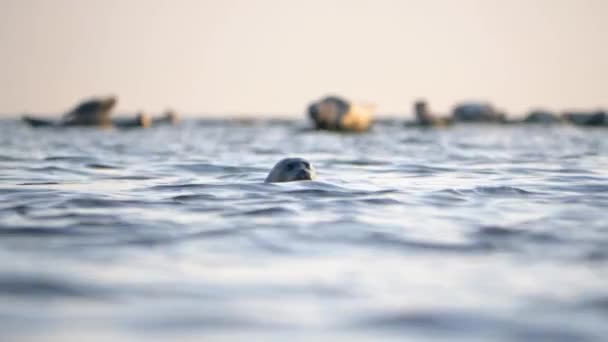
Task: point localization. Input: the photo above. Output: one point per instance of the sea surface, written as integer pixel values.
(470, 233)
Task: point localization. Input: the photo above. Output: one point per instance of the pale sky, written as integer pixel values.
(271, 57)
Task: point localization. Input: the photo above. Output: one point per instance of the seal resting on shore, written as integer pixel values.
(597, 118)
(542, 117)
(169, 117)
(290, 170)
(425, 118)
(336, 114)
(477, 112)
(141, 120)
(92, 112)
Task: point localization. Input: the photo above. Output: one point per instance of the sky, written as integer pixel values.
(272, 57)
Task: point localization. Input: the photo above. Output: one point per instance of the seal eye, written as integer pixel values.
(290, 166)
(306, 165)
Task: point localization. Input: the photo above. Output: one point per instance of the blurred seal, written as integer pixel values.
(141, 120)
(337, 114)
(540, 116)
(597, 118)
(477, 112)
(92, 112)
(169, 117)
(425, 118)
(291, 169)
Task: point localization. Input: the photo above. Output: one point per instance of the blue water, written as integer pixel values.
(471, 233)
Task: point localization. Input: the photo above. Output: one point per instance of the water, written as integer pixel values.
(472, 233)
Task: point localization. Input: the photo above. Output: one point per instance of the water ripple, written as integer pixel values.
(462, 233)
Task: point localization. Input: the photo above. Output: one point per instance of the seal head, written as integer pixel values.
(290, 170)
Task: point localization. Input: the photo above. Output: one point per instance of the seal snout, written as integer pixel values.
(304, 175)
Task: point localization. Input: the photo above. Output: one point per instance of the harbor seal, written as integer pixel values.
(336, 114)
(290, 170)
(141, 120)
(597, 118)
(169, 117)
(477, 112)
(542, 117)
(92, 112)
(425, 118)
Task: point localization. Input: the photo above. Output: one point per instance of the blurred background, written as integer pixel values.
(270, 57)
